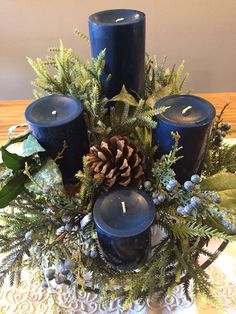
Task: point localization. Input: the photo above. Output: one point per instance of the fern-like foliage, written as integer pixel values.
(162, 171)
(222, 158)
(183, 230)
(64, 73)
(162, 81)
(12, 238)
(88, 187)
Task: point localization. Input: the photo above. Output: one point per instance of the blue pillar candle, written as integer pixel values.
(122, 33)
(123, 217)
(192, 118)
(54, 119)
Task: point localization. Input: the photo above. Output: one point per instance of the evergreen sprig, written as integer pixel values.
(64, 73)
(161, 81)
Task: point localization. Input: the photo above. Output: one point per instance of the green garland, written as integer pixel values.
(37, 208)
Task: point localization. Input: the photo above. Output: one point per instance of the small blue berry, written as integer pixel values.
(67, 282)
(63, 271)
(173, 183)
(59, 267)
(195, 202)
(49, 211)
(68, 227)
(44, 284)
(170, 188)
(155, 194)
(195, 178)
(181, 211)
(29, 236)
(50, 273)
(156, 201)
(147, 185)
(225, 126)
(66, 219)
(161, 197)
(59, 279)
(188, 208)
(216, 198)
(68, 264)
(71, 278)
(188, 185)
(60, 230)
(93, 254)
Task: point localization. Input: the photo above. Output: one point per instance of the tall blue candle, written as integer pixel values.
(56, 119)
(123, 217)
(122, 33)
(192, 118)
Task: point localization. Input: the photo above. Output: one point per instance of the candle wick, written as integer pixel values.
(120, 19)
(186, 111)
(124, 207)
(54, 112)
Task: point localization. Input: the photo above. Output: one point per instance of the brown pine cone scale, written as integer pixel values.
(118, 159)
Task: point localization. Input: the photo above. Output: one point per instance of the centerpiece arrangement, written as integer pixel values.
(122, 179)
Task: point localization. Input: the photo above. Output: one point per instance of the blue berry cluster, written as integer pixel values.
(172, 185)
(61, 275)
(68, 225)
(90, 249)
(195, 202)
(159, 197)
(228, 226)
(215, 197)
(219, 132)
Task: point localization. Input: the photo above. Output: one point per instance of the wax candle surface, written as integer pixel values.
(123, 217)
(54, 119)
(192, 118)
(122, 33)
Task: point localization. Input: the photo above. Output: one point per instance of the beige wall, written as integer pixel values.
(202, 32)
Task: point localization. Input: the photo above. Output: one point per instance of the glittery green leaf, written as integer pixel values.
(11, 189)
(31, 146)
(228, 198)
(11, 160)
(47, 177)
(219, 182)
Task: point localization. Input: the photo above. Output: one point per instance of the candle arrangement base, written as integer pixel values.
(123, 189)
(123, 217)
(125, 254)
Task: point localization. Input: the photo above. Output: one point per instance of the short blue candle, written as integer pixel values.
(192, 118)
(54, 119)
(123, 217)
(122, 33)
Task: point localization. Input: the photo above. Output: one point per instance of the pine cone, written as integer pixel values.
(118, 159)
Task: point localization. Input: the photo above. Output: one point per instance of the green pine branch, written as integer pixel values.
(185, 230)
